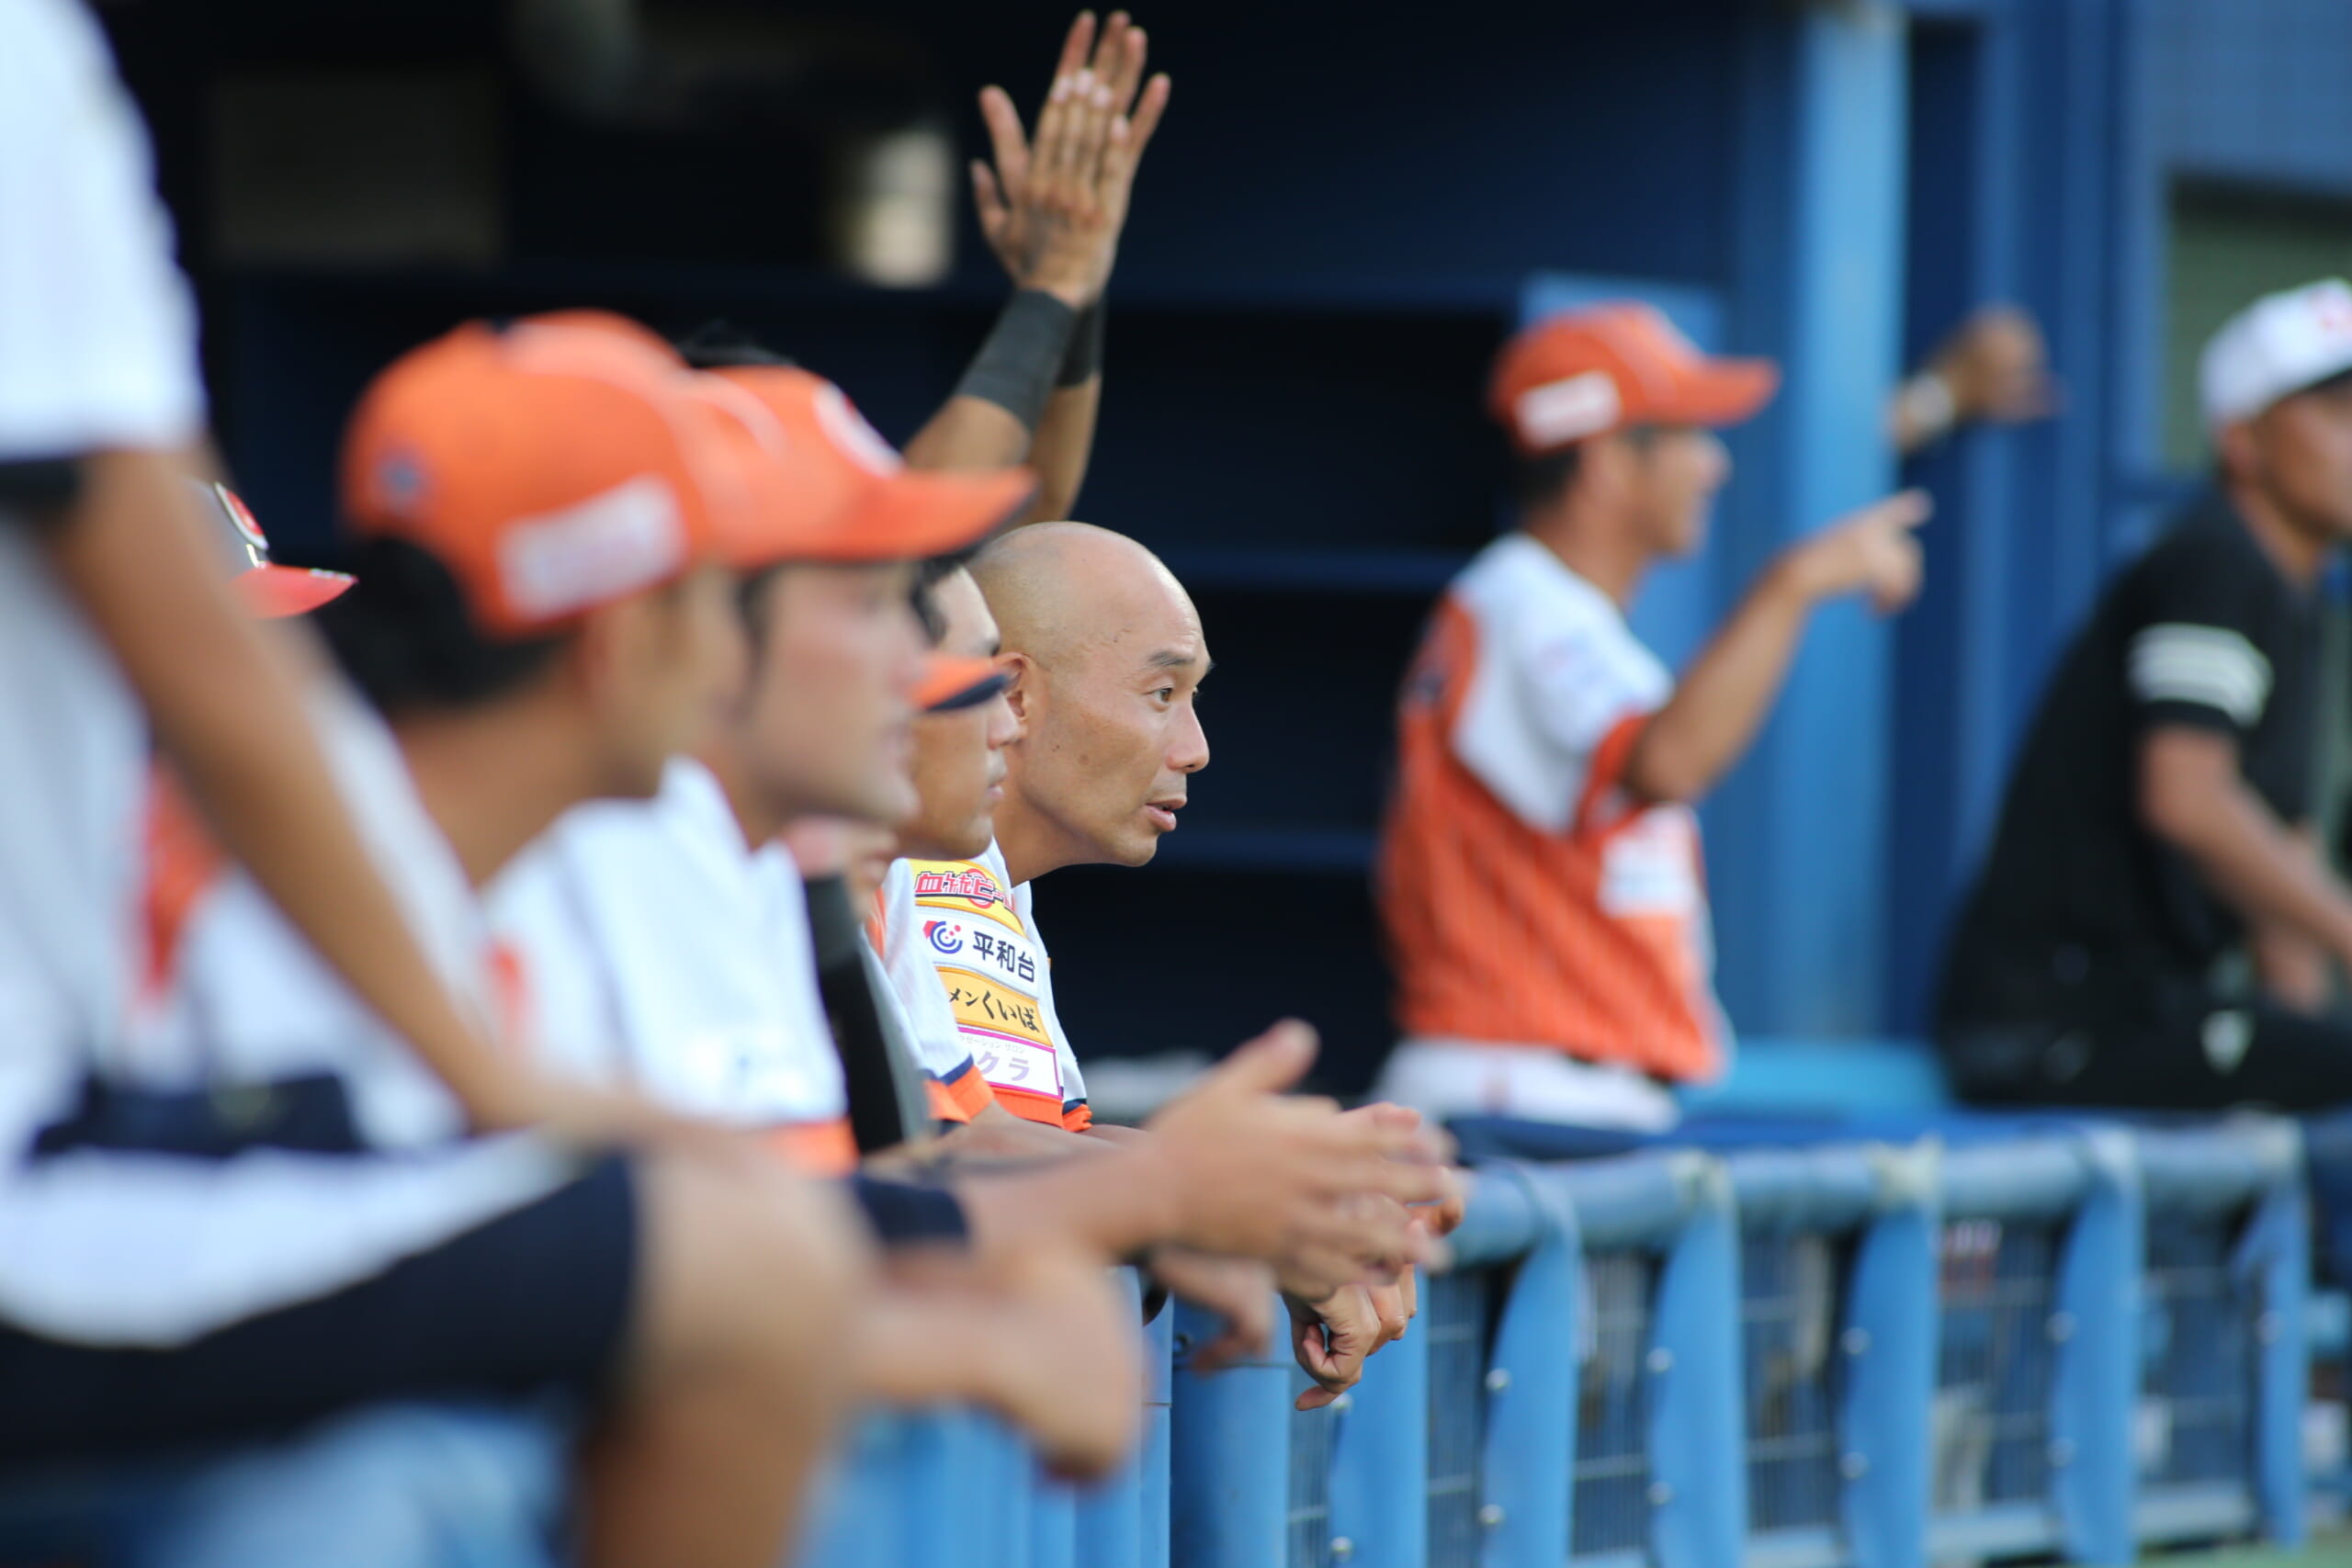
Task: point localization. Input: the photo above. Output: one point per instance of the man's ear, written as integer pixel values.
(2238, 450)
(1021, 691)
(612, 645)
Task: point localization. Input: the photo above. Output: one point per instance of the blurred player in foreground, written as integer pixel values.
(1540, 873)
(172, 1274)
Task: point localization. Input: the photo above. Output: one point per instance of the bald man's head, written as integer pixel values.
(1107, 653)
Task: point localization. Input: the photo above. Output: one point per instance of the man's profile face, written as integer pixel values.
(2301, 451)
(824, 727)
(673, 660)
(1112, 735)
(959, 764)
(1674, 473)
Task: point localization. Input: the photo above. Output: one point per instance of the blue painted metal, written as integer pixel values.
(1229, 1457)
(1109, 1530)
(2276, 1253)
(1159, 1367)
(2097, 1326)
(1698, 1486)
(1053, 1522)
(1380, 1459)
(1531, 1387)
(2227, 1359)
(1888, 1340)
(1819, 287)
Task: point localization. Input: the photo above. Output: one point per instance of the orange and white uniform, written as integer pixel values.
(656, 947)
(958, 1089)
(1549, 932)
(956, 931)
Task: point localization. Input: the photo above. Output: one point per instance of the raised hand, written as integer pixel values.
(1997, 367)
(1872, 552)
(1052, 211)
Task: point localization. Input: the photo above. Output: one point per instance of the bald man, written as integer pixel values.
(1106, 654)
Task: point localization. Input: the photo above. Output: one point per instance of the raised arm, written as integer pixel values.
(1721, 700)
(1052, 213)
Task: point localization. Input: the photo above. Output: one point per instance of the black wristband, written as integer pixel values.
(1082, 360)
(903, 1214)
(1015, 369)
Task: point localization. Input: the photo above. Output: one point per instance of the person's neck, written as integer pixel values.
(1030, 841)
(2300, 554)
(493, 779)
(1603, 556)
(760, 816)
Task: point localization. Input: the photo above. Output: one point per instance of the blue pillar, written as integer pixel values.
(1380, 1459)
(1800, 834)
(1531, 1428)
(1698, 1464)
(2096, 1322)
(1889, 1342)
(1231, 1458)
(2274, 1262)
(1111, 1529)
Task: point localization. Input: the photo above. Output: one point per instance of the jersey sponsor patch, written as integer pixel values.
(986, 1005)
(963, 887)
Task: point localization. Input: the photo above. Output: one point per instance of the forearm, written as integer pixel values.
(1116, 1206)
(1064, 445)
(968, 432)
(990, 421)
(1721, 700)
(998, 1134)
(228, 711)
(2259, 865)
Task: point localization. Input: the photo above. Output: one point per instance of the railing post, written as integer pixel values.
(2276, 1251)
(1888, 1339)
(1380, 1461)
(1231, 1458)
(1109, 1528)
(1529, 1453)
(1160, 1370)
(1053, 1521)
(2096, 1322)
(1698, 1465)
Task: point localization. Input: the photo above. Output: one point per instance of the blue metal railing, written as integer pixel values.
(2049, 1339)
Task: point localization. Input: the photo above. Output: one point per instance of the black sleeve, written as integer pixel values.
(885, 1109)
(2193, 645)
(906, 1215)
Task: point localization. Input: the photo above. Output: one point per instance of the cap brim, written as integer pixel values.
(1720, 393)
(950, 683)
(278, 592)
(912, 514)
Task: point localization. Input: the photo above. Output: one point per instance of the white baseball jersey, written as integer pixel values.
(247, 998)
(978, 938)
(655, 946)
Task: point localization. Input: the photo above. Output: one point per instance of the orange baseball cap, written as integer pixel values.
(269, 590)
(550, 467)
(951, 682)
(1573, 377)
(839, 492)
